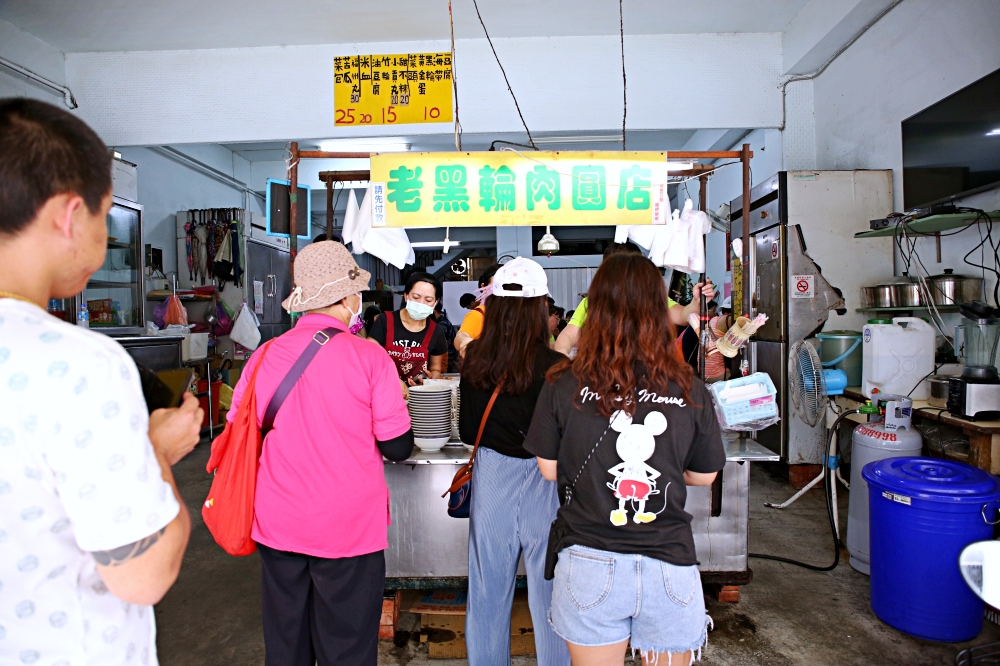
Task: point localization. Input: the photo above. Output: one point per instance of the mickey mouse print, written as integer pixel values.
(634, 480)
(622, 475)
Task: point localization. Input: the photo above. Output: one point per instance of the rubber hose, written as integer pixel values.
(828, 479)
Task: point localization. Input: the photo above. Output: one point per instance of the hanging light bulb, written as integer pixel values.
(548, 243)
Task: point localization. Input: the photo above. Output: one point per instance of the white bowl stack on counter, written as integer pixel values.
(434, 413)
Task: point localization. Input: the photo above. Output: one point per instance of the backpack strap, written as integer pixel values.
(288, 383)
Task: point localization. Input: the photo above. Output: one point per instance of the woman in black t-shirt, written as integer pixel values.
(512, 505)
(415, 342)
(623, 428)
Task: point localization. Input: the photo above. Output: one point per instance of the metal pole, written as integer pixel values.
(293, 206)
(329, 210)
(704, 335)
(747, 287)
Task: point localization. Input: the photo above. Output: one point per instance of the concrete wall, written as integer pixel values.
(166, 186)
(565, 83)
(920, 53)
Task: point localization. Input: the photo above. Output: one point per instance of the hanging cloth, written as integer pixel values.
(189, 244)
(236, 244)
(199, 250)
(350, 219)
(222, 264)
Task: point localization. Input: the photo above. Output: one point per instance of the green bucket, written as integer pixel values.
(842, 350)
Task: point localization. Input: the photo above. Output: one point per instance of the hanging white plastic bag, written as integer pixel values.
(245, 331)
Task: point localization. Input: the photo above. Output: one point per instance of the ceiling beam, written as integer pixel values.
(821, 28)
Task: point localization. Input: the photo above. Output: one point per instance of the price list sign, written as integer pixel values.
(395, 89)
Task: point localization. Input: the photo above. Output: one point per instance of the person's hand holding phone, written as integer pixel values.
(175, 432)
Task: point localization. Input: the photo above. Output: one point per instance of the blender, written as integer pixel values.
(975, 394)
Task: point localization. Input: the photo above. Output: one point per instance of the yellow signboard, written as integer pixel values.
(393, 89)
(506, 188)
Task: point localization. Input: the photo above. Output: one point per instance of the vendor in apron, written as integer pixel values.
(416, 344)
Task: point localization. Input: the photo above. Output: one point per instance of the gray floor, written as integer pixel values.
(787, 615)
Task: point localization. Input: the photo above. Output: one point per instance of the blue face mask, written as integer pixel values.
(418, 311)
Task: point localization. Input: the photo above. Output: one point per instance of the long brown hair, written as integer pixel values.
(628, 337)
(515, 331)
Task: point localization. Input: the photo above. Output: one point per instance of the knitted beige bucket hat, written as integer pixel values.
(325, 272)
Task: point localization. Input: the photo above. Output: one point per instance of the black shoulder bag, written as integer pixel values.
(557, 532)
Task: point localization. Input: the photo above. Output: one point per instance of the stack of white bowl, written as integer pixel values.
(431, 415)
(456, 400)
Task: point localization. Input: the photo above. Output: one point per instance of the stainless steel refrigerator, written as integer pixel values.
(806, 272)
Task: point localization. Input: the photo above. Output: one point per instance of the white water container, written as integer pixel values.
(896, 357)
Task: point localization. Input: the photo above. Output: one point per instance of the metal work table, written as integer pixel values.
(984, 436)
(427, 548)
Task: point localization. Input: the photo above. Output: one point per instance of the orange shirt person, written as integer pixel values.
(472, 324)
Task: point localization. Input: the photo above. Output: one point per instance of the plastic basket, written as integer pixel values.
(746, 409)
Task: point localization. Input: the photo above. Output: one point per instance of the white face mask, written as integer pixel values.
(418, 311)
(356, 321)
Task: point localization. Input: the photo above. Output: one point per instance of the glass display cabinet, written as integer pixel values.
(115, 295)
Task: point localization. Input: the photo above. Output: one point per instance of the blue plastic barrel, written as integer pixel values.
(923, 512)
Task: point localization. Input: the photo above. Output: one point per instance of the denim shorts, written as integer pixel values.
(603, 598)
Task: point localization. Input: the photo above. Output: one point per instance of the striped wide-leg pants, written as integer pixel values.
(512, 509)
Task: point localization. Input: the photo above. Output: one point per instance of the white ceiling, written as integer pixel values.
(151, 25)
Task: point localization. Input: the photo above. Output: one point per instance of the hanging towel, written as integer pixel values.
(350, 219)
(362, 223)
(675, 252)
(391, 245)
(683, 247)
(698, 224)
(643, 235)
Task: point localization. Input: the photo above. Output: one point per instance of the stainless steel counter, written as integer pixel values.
(424, 542)
(737, 450)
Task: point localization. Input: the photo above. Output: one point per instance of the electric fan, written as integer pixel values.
(809, 389)
(809, 385)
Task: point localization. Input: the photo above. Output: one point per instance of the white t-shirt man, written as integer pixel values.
(77, 475)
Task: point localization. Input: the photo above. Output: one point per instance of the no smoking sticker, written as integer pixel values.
(803, 286)
(774, 250)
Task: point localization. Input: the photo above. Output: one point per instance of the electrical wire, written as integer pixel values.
(621, 33)
(335, 203)
(509, 89)
(828, 479)
(509, 143)
(809, 77)
(454, 79)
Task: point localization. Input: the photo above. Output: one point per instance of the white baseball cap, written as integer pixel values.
(524, 272)
(728, 303)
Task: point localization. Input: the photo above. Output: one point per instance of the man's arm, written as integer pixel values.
(141, 572)
(567, 339)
